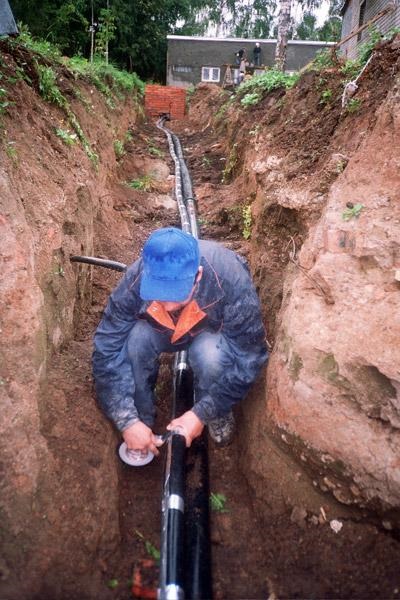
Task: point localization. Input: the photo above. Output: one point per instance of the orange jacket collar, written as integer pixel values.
(189, 317)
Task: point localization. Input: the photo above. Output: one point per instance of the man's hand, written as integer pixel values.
(140, 437)
(190, 425)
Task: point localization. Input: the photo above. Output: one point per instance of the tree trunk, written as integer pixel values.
(283, 31)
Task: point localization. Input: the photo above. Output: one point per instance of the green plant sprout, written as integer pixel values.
(66, 136)
(352, 211)
(150, 548)
(353, 105)
(205, 161)
(218, 503)
(143, 184)
(112, 583)
(119, 149)
(48, 86)
(326, 96)
(247, 221)
(59, 271)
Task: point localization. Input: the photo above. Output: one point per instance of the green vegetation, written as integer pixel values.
(48, 87)
(218, 503)
(119, 149)
(137, 30)
(66, 136)
(3, 101)
(154, 151)
(150, 548)
(251, 92)
(323, 60)
(11, 151)
(230, 164)
(352, 68)
(44, 48)
(110, 81)
(143, 184)
(112, 584)
(326, 96)
(352, 211)
(353, 105)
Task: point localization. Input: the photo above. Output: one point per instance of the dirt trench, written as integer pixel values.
(76, 519)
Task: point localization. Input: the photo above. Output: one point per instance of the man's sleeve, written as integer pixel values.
(244, 333)
(111, 366)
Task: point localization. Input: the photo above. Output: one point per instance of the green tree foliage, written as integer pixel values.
(329, 31)
(136, 30)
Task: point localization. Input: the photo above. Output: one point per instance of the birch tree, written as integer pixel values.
(283, 34)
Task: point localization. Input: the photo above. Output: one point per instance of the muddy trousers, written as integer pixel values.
(209, 358)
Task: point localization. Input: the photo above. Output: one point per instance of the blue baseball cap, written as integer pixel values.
(171, 260)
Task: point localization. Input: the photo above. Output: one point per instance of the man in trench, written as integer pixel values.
(181, 294)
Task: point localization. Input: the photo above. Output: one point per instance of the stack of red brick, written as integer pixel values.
(165, 99)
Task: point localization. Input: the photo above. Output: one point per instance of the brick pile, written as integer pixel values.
(165, 99)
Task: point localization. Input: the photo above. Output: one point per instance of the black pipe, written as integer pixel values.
(175, 548)
(100, 262)
(198, 577)
(194, 518)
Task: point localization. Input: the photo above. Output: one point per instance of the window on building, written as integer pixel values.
(361, 17)
(210, 74)
(181, 69)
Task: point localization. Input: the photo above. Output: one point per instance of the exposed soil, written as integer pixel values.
(260, 550)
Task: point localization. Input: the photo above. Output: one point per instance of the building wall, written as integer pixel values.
(187, 55)
(351, 21)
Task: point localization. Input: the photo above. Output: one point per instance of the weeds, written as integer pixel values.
(222, 110)
(353, 105)
(4, 103)
(247, 221)
(323, 60)
(68, 138)
(352, 211)
(119, 149)
(351, 68)
(252, 91)
(143, 184)
(154, 151)
(205, 161)
(326, 96)
(150, 548)
(218, 503)
(48, 86)
(42, 47)
(230, 164)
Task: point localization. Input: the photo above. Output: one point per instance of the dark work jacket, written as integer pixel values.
(228, 297)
